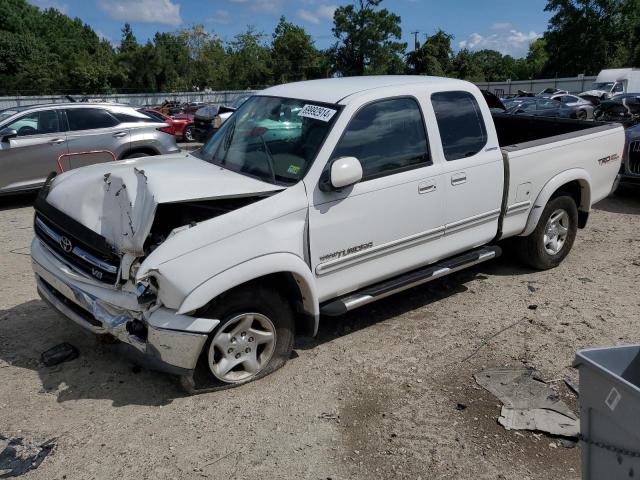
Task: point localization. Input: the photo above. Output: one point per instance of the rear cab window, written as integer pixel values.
(462, 129)
(387, 137)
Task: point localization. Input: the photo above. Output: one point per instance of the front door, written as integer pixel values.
(388, 222)
(26, 160)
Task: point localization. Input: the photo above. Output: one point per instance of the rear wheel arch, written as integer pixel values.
(573, 183)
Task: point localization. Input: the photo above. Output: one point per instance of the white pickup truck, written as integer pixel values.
(314, 198)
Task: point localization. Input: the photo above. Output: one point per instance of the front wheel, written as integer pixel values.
(554, 235)
(255, 338)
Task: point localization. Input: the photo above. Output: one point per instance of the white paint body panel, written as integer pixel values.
(294, 229)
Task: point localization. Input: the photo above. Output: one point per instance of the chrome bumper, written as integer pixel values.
(173, 342)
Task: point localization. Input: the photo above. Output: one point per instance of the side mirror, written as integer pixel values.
(344, 172)
(7, 134)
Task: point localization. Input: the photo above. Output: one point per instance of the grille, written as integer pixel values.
(634, 157)
(76, 253)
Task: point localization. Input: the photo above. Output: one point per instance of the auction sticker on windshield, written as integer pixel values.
(317, 113)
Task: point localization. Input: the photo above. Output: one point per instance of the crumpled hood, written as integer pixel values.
(118, 200)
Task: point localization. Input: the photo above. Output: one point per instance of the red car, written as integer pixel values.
(180, 125)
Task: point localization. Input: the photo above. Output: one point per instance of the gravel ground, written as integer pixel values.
(374, 396)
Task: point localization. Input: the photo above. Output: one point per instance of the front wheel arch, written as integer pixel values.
(289, 272)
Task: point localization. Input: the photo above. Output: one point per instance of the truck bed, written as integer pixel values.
(541, 151)
(514, 130)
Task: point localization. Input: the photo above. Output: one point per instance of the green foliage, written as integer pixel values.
(434, 57)
(368, 40)
(293, 54)
(46, 52)
(585, 36)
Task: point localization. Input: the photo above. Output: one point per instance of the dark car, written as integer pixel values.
(210, 118)
(630, 168)
(203, 122)
(623, 108)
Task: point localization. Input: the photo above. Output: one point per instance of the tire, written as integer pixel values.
(532, 249)
(136, 155)
(242, 345)
(187, 135)
(582, 115)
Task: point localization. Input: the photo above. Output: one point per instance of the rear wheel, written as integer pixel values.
(188, 134)
(255, 337)
(554, 235)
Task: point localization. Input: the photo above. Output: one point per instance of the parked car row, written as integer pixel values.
(561, 105)
(39, 139)
(210, 118)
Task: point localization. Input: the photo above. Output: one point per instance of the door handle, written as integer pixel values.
(120, 134)
(426, 187)
(458, 178)
(57, 141)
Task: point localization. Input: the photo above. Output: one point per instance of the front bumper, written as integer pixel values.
(173, 342)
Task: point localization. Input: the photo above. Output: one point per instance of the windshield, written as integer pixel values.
(4, 114)
(237, 103)
(604, 86)
(273, 139)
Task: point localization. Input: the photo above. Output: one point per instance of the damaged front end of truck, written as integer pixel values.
(96, 232)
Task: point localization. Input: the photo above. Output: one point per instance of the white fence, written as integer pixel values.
(505, 88)
(572, 85)
(133, 99)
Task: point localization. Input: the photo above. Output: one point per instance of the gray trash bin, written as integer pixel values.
(610, 412)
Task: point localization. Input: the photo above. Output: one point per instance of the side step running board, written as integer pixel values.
(408, 280)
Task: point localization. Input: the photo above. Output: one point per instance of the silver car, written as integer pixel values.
(583, 108)
(40, 139)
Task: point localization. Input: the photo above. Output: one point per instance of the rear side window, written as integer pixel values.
(36, 123)
(387, 137)
(89, 119)
(460, 122)
(126, 118)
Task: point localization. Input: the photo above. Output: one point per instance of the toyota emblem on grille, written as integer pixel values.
(66, 244)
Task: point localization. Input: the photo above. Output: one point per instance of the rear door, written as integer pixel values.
(473, 171)
(26, 160)
(389, 222)
(94, 128)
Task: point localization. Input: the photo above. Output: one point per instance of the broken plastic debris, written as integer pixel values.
(58, 354)
(18, 456)
(528, 402)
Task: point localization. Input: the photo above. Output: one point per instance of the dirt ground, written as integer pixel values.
(374, 396)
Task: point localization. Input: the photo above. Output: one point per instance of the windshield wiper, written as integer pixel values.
(226, 144)
(270, 161)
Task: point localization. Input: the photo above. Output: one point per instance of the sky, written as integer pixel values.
(508, 26)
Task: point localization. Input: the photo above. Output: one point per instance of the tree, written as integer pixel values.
(293, 54)
(536, 59)
(464, 66)
(208, 58)
(248, 61)
(584, 36)
(367, 40)
(433, 57)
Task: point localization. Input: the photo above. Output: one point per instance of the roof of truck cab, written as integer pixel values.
(337, 90)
